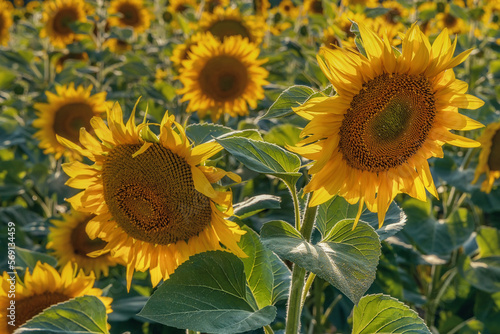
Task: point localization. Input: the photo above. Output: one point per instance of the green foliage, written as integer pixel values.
(208, 293)
(384, 314)
(79, 315)
(346, 258)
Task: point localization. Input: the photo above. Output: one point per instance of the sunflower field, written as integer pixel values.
(250, 166)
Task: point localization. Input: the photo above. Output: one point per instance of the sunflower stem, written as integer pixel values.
(268, 330)
(189, 331)
(298, 277)
(296, 207)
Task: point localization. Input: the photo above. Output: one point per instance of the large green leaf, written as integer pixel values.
(283, 134)
(208, 293)
(384, 314)
(337, 209)
(433, 236)
(488, 241)
(484, 273)
(256, 204)
(258, 268)
(201, 133)
(85, 314)
(263, 157)
(346, 258)
(291, 97)
(26, 258)
(282, 278)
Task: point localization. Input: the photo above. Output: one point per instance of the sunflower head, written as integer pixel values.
(5, 21)
(71, 56)
(222, 77)
(58, 15)
(489, 158)
(181, 51)
(391, 113)
(227, 22)
(44, 288)
(64, 114)
(117, 46)
(71, 243)
(129, 13)
(153, 199)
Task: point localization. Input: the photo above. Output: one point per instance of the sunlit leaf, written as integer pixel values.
(85, 314)
(291, 97)
(263, 157)
(347, 258)
(208, 293)
(384, 314)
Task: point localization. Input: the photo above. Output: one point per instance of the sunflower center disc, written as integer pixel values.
(29, 307)
(70, 118)
(130, 15)
(63, 19)
(223, 78)
(494, 157)
(226, 28)
(387, 122)
(152, 196)
(81, 242)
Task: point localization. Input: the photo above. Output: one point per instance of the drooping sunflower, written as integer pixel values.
(70, 243)
(227, 22)
(489, 158)
(5, 21)
(58, 16)
(391, 113)
(64, 114)
(223, 77)
(154, 203)
(42, 289)
(314, 7)
(129, 13)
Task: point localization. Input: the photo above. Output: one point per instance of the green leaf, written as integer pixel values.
(432, 236)
(208, 293)
(258, 269)
(256, 204)
(483, 274)
(201, 133)
(283, 134)
(488, 241)
(262, 157)
(26, 258)
(337, 209)
(85, 314)
(347, 258)
(384, 314)
(291, 97)
(282, 278)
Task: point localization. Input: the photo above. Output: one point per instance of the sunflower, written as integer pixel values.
(210, 5)
(391, 113)
(313, 7)
(454, 24)
(5, 21)
(129, 13)
(42, 289)
(117, 46)
(288, 9)
(223, 77)
(70, 243)
(58, 15)
(64, 114)
(223, 23)
(180, 6)
(59, 65)
(489, 158)
(154, 206)
(181, 51)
